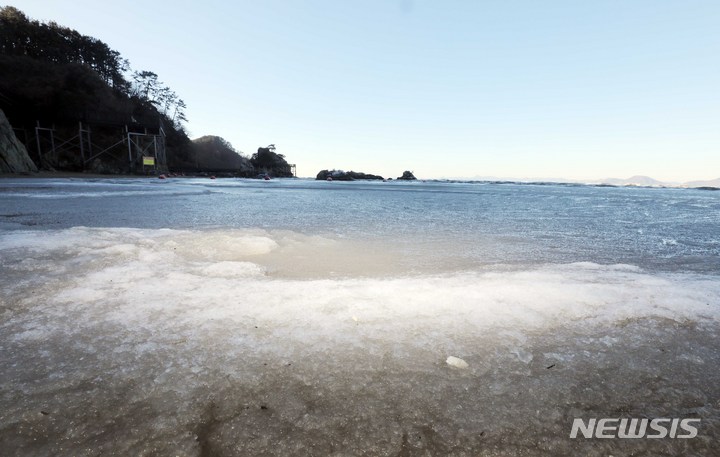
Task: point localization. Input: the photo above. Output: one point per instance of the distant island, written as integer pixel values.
(340, 175)
(75, 104)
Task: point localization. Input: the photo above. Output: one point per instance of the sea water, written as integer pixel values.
(295, 317)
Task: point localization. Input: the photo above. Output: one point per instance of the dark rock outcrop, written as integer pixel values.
(267, 162)
(13, 155)
(340, 175)
(407, 176)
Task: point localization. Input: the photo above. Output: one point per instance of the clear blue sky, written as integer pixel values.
(573, 89)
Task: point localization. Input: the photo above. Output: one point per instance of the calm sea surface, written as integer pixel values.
(458, 225)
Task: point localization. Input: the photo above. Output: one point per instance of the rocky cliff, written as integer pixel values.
(267, 161)
(13, 155)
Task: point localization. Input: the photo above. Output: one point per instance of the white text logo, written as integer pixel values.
(635, 428)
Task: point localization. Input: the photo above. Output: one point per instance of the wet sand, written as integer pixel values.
(402, 402)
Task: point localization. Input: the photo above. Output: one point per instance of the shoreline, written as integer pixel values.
(69, 175)
(45, 174)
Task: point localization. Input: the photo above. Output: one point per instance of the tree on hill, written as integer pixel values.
(20, 36)
(148, 88)
(25, 42)
(213, 153)
(266, 160)
(52, 73)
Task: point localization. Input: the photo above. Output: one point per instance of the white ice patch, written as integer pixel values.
(220, 245)
(232, 270)
(164, 279)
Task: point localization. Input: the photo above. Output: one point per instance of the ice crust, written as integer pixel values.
(180, 342)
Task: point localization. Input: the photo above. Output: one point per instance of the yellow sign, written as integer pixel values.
(149, 161)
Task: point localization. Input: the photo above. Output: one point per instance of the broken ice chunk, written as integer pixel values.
(523, 355)
(456, 362)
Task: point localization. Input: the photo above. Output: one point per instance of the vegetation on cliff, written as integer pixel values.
(59, 77)
(267, 161)
(213, 153)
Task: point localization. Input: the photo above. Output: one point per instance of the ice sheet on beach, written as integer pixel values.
(183, 341)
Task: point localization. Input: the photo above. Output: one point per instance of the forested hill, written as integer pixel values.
(217, 154)
(60, 78)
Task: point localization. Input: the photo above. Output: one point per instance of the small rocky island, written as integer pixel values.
(340, 175)
(407, 176)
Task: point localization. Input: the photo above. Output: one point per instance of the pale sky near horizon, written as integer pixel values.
(456, 88)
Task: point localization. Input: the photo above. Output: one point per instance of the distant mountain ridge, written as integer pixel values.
(646, 181)
(637, 180)
(709, 183)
